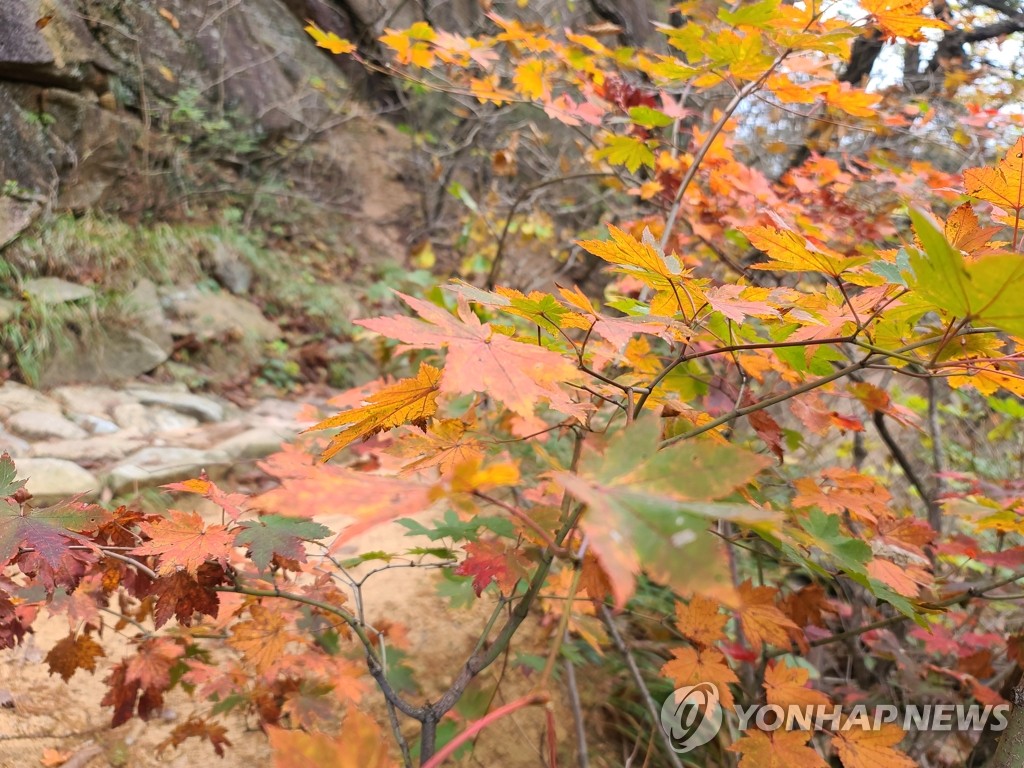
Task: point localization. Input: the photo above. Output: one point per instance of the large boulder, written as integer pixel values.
(103, 355)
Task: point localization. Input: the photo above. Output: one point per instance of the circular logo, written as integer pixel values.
(692, 716)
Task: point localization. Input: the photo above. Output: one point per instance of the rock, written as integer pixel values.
(15, 217)
(16, 397)
(286, 411)
(104, 355)
(94, 425)
(8, 308)
(61, 52)
(219, 316)
(143, 304)
(15, 446)
(51, 480)
(91, 450)
(157, 466)
(202, 408)
(44, 425)
(53, 290)
(95, 401)
(229, 269)
(139, 419)
(254, 443)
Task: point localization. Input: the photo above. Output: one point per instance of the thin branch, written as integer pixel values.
(634, 670)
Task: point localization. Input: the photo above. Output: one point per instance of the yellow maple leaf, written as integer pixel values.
(902, 18)
(531, 79)
(262, 638)
(329, 40)
(410, 401)
(700, 621)
(690, 667)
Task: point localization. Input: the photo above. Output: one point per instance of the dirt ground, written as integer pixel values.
(48, 713)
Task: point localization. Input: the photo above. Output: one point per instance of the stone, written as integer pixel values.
(61, 53)
(254, 443)
(16, 397)
(203, 408)
(91, 450)
(54, 290)
(15, 446)
(142, 303)
(51, 480)
(94, 425)
(104, 355)
(219, 316)
(8, 308)
(156, 466)
(139, 419)
(44, 425)
(94, 401)
(229, 268)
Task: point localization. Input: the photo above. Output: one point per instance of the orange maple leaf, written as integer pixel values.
(1002, 185)
(871, 748)
(762, 621)
(691, 666)
(182, 540)
(779, 749)
(700, 621)
(359, 745)
(482, 360)
(787, 686)
(262, 638)
(409, 401)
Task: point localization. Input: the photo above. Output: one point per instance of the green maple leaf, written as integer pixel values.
(629, 151)
(649, 509)
(278, 535)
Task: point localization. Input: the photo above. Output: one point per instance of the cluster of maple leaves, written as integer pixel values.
(566, 446)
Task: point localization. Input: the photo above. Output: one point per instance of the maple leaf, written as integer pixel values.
(778, 749)
(964, 231)
(48, 533)
(643, 509)
(278, 535)
(183, 596)
(1002, 185)
(9, 485)
(409, 401)
(262, 638)
(445, 445)
(630, 151)
(691, 666)
(73, 653)
(791, 252)
(359, 745)
(329, 40)
(981, 290)
(232, 503)
(871, 748)
(197, 728)
(761, 619)
(786, 686)
(700, 620)
(902, 18)
(138, 683)
(309, 488)
(493, 560)
(480, 359)
(182, 540)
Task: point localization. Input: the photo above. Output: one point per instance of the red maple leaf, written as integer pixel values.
(493, 560)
